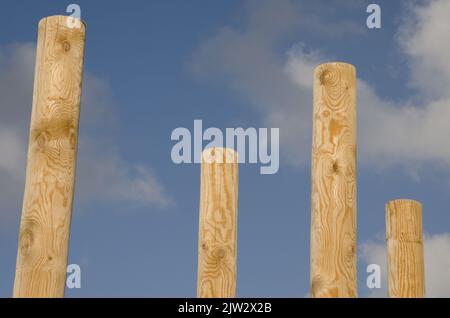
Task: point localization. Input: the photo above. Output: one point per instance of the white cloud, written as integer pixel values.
(101, 175)
(413, 134)
(12, 158)
(401, 134)
(437, 264)
(424, 38)
(279, 88)
(374, 253)
(106, 177)
(247, 60)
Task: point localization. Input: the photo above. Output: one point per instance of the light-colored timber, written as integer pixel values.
(333, 196)
(217, 248)
(404, 240)
(49, 187)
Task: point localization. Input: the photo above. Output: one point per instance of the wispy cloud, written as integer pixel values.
(102, 174)
(414, 134)
(278, 86)
(372, 252)
(437, 263)
(106, 178)
(424, 39)
(12, 158)
(247, 61)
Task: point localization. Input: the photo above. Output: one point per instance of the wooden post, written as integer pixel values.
(49, 187)
(217, 248)
(333, 197)
(406, 276)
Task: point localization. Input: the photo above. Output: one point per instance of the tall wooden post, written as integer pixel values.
(333, 197)
(406, 276)
(217, 246)
(49, 187)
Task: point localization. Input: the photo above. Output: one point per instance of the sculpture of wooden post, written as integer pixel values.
(404, 240)
(217, 246)
(49, 187)
(333, 197)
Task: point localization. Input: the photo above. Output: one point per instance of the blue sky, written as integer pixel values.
(153, 66)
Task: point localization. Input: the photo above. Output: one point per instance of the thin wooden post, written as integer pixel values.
(404, 240)
(333, 196)
(49, 187)
(217, 246)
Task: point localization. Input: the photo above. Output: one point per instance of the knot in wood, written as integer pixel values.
(26, 241)
(42, 140)
(335, 166)
(327, 77)
(66, 46)
(219, 252)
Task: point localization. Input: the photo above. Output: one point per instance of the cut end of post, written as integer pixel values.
(219, 155)
(64, 20)
(404, 201)
(334, 64)
(333, 262)
(40, 268)
(329, 73)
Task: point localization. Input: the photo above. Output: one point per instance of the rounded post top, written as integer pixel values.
(334, 67)
(332, 73)
(219, 155)
(68, 21)
(334, 64)
(404, 201)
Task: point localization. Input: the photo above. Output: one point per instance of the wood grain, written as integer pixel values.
(47, 205)
(333, 196)
(404, 240)
(217, 250)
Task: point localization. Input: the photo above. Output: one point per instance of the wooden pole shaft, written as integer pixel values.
(406, 276)
(333, 196)
(217, 250)
(49, 187)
